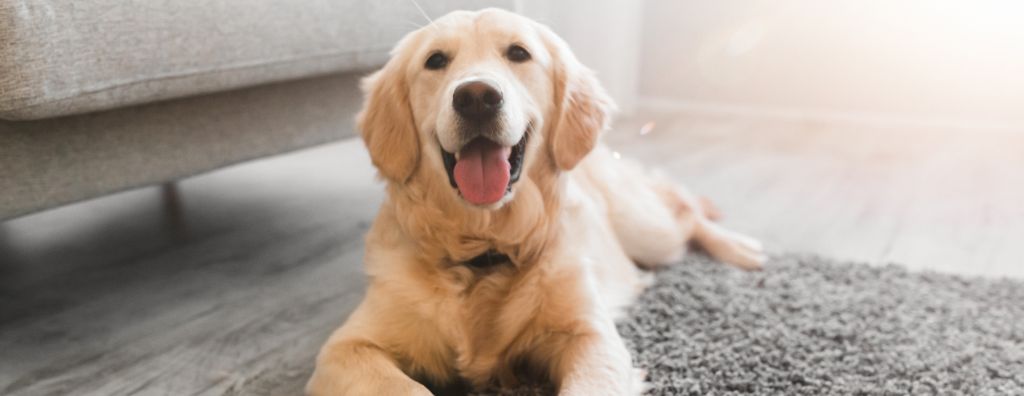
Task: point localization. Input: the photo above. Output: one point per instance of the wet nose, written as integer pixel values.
(477, 101)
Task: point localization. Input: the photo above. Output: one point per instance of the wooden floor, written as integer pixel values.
(229, 284)
(927, 198)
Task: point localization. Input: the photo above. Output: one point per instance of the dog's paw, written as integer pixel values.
(323, 386)
(733, 248)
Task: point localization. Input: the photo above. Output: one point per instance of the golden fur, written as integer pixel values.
(574, 226)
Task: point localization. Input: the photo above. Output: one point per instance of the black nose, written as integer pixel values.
(477, 101)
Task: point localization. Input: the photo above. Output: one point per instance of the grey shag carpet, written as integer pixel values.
(808, 326)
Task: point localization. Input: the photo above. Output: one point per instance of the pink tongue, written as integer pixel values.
(482, 172)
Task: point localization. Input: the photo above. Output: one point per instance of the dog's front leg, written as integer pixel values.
(355, 367)
(595, 363)
(352, 362)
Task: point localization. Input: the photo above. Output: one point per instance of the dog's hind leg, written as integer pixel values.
(648, 229)
(729, 246)
(655, 219)
(697, 214)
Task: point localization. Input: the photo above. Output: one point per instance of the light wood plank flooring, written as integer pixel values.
(230, 282)
(927, 198)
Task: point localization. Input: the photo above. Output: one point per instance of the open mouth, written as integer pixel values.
(483, 171)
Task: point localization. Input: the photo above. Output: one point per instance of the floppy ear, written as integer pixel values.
(387, 125)
(583, 107)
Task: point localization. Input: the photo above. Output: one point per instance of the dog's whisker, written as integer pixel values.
(424, 13)
(414, 24)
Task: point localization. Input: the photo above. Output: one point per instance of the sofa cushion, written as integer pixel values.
(65, 57)
(46, 163)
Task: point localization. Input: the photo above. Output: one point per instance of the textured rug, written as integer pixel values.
(808, 326)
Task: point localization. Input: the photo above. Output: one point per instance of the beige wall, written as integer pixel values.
(950, 60)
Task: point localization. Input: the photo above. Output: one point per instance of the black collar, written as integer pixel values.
(488, 259)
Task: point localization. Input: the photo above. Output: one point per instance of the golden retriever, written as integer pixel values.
(510, 238)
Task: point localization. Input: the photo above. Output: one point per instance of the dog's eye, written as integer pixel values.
(437, 61)
(517, 53)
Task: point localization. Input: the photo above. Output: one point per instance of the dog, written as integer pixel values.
(510, 239)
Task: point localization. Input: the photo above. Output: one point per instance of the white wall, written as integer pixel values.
(953, 60)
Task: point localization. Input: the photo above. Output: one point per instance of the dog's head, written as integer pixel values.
(480, 101)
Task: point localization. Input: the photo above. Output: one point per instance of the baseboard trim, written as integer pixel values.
(663, 104)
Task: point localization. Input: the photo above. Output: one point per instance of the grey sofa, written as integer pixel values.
(99, 96)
